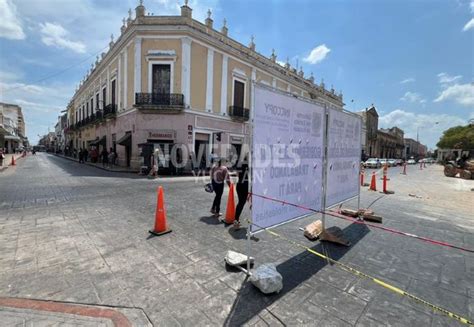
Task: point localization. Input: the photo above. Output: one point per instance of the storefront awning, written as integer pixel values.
(125, 140)
(98, 141)
(12, 137)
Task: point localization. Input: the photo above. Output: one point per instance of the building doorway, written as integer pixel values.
(201, 150)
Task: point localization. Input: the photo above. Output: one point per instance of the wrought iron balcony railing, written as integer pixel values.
(160, 101)
(110, 110)
(239, 113)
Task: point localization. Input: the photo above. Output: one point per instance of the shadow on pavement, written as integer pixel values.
(250, 301)
(241, 234)
(211, 220)
(75, 168)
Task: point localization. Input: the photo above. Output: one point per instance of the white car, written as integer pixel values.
(392, 162)
(383, 162)
(372, 163)
(411, 162)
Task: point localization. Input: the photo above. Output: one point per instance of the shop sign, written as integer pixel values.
(162, 135)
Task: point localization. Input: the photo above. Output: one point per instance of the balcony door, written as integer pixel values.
(239, 93)
(161, 79)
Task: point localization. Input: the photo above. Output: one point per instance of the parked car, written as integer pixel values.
(372, 163)
(392, 162)
(411, 162)
(398, 162)
(383, 162)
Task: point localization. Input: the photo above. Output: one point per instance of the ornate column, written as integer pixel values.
(186, 70)
(210, 79)
(137, 67)
(225, 60)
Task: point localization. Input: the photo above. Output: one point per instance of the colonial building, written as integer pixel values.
(12, 127)
(389, 143)
(414, 149)
(380, 143)
(370, 120)
(173, 80)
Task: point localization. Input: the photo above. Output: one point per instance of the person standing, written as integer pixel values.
(219, 174)
(85, 154)
(242, 189)
(105, 157)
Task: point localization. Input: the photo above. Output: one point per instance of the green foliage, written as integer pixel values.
(459, 137)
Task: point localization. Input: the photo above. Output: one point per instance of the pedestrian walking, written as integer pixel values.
(85, 154)
(219, 175)
(105, 157)
(242, 188)
(2, 157)
(94, 155)
(81, 155)
(112, 157)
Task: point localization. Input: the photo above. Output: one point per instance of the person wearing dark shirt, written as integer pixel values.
(242, 188)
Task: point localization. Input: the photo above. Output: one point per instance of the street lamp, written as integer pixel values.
(418, 129)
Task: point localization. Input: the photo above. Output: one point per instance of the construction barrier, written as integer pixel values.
(356, 221)
(373, 279)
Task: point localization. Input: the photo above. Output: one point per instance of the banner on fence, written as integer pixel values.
(287, 145)
(344, 151)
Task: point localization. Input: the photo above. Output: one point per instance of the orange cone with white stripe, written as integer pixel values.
(13, 161)
(161, 226)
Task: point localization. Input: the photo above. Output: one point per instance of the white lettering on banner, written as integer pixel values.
(287, 157)
(344, 150)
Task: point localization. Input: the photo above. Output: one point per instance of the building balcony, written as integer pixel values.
(164, 103)
(239, 113)
(110, 110)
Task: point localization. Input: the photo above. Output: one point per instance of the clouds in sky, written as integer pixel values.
(55, 35)
(10, 26)
(445, 79)
(429, 126)
(413, 97)
(317, 55)
(470, 24)
(462, 94)
(407, 80)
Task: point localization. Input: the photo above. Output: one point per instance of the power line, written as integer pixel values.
(56, 73)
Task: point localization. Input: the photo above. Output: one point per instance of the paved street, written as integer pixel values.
(77, 234)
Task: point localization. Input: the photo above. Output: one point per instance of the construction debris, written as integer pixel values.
(335, 235)
(313, 230)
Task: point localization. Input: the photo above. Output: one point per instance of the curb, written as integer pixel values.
(95, 166)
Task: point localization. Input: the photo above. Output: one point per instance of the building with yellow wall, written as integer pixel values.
(174, 80)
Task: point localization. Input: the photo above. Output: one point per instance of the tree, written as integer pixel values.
(459, 137)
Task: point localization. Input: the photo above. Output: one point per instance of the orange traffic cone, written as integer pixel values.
(161, 227)
(230, 211)
(373, 183)
(13, 161)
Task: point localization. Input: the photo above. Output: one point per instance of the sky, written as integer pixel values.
(412, 59)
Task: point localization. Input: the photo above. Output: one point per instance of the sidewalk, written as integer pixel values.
(117, 169)
(28, 312)
(8, 160)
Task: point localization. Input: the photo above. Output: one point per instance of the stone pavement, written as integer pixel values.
(72, 233)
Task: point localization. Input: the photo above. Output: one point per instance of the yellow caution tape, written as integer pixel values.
(375, 280)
